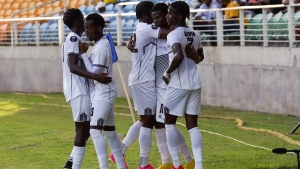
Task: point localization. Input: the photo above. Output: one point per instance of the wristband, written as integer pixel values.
(167, 75)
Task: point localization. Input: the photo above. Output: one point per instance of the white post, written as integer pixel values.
(191, 21)
(242, 27)
(265, 27)
(12, 33)
(219, 18)
(119, 26)
(15, 34)
(37, 33)
(60, 32)
(291, 24)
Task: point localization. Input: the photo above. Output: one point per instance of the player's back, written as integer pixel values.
(186, 76)
(73, 85)
(143, 57)
(102, 56)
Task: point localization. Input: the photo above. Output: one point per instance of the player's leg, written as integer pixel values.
(144, 96)
(81, 114)
(175, 101)
(98, 117)
(191, 117)
(113, 139)
(160, 131)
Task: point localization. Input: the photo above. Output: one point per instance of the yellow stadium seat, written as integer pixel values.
(40, 11)
(15, 5)
(9, 1)
(72, 4)
(31, 12)
(8, 12)
(55, 4)
(38, 3)
(2, 12)
(6, 6)
(48, 10)
(0, 5)
(31, 4)
(20, 1)
(23, 5)
(56, 9)
(80, 3)
(2, 1)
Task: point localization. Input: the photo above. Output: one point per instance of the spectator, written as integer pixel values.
(231, 20)
(205, 23)
(276, 10)
(254, 3)
(100, 7)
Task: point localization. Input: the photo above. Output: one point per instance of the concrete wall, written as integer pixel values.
(247, 78)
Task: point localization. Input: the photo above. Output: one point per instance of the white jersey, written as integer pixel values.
(73, 85)
(101, 56)
(186, 76)
(143, 56)
(161, 62)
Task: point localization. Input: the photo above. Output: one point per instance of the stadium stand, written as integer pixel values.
(277, 25)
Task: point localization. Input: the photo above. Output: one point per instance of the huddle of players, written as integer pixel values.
(163, 51)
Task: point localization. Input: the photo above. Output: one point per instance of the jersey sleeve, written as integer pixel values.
(73, 46)
(100, 57)
(151, 31)
(172, 38)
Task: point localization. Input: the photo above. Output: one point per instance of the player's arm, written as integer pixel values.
(130, 44)
(178, 58)
(164, 32)
(196, 56)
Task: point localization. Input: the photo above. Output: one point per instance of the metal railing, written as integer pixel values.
(261, 29)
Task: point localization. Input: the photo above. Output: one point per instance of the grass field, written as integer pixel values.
(37, 131)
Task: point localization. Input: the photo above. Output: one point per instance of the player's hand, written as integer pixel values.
(83, 47)
(165, 79)
(190, 51)
(130, 44)
(103, 78)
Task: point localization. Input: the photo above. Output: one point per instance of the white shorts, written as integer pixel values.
(144, 98)
(81, 108)
(179, 101)
(102, 114)
(160, 114)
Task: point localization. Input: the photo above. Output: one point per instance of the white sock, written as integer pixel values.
(116, 148)
(183, 148)
(162, 145)
(145, 140)
(78, 153)
(172, 139)
(196, 139)
(71, 156)
(100, 146)
(131, 136)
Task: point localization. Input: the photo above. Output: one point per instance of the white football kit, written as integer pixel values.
(161, 65)
(103, 95)
(75, 87)
(183, 94)
(142, 76)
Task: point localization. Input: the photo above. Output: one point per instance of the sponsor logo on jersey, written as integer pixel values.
(73, 38)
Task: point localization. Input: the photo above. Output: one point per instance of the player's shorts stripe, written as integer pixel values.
(72, 53)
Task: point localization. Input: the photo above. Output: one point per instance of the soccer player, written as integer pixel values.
(103, 95)
(183, 95)
(75, 85)
(142, 77)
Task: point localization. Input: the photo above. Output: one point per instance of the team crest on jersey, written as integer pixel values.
(73, 38)
(154, 27)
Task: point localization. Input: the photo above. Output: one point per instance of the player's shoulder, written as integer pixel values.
(72, 37)
(142, 26)
(103, 44)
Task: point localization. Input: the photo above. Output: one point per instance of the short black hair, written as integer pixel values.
(143, 8)
(97, 19)
(160, 7)
(182, 8)
(70, 16)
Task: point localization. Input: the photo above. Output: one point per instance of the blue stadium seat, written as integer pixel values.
(128, 28)
(90, 9)
(53, 21)
(109, 7)
(82, 8)
(43, 28)
(51, 33)
(25, 32)
(128, 8)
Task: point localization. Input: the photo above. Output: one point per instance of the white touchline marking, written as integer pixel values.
(251, 145)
